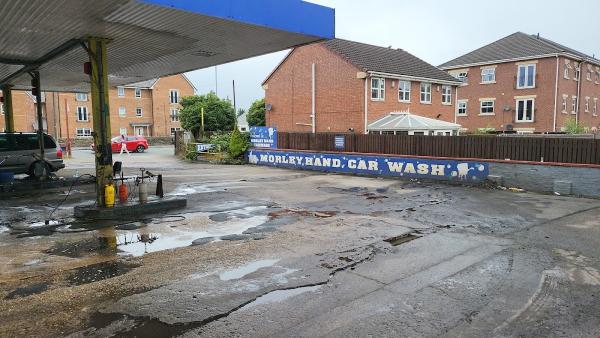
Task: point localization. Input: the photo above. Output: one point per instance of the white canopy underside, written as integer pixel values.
(407, 121)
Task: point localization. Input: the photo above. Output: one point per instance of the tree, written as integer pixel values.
(241, 111)
(256, 114)
(573, 127)
(218, 114)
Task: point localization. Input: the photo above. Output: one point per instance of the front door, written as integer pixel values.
(139, 131)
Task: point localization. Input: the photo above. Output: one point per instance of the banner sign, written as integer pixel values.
(263, 137)
(339, 142)
(449, 170)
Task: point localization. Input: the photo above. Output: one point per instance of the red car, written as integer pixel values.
(136, 144)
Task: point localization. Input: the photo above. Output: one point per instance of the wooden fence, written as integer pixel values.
(560, 150)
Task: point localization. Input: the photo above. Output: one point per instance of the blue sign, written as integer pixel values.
(448, 170)
(263, 137)
(339, 142)
(203, 147)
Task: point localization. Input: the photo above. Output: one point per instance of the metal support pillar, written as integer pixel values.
(96, 48)
(9, 117)
(39, 110)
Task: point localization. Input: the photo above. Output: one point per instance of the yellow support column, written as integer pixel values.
(9, 117)
(100, 115)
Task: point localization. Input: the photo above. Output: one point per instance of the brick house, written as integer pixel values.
(148, 108)
(526, 83)
(340, 86)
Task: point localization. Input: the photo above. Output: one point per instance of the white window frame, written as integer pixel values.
(595, 108)
(138, 92)
(463, 77)
(462, 105)
(139, 112)
(174, 129)
(488, 75)
(174, 114)
(121, 91)
(425, 95)
(564, 103)
(379, 90)
(81, 97)
(446, 95)
(123, 131)
(574, 104)
(524, 120)
(566, 73)
(174, 99)
(527, 75)
(404, 91)
(481, 107)
(122, 111)
(587, 104)
(83, 132)
(577, 73)
(82, 111)
(589, 75)
(1, 108)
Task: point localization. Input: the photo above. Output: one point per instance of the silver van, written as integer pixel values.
(20, 154)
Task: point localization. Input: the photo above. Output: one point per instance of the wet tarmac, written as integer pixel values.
(269, 252)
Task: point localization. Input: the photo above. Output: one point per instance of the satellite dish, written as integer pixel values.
(506, 108)
(269, 107)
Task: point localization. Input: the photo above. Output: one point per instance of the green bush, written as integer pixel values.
(220, 141)
(190, 152)
(238, 144)
(573, 127)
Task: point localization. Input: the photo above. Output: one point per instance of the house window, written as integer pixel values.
(446, 95)
(526, 76)
(377, 89)
(488, 75)
(174, 96)
(1, 108)
(425, 92)
(404, 91)
(487, 107)
(121, 91)
(595, 108)
(589, 75)
(138, 112)
(122, 111)
(174, 115)
(138, 92)
(566, 72)
(577, 74)
(462, 108)
(83, 132)
(82, 114)
(463, 77)
(525, 110)
(173, 130)
(587, 104)
(574, 105)
(81, 97)
(564, 103)
(123, 131)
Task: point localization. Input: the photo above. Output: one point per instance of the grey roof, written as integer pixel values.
(386, 60)
(515, 46)
(407, 121)
(143, 84)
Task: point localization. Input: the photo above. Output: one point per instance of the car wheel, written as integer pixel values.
(39, 170)
(140, 149)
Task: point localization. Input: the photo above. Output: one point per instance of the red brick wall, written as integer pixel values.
(504, 90)
(340, 95)
(590, 89)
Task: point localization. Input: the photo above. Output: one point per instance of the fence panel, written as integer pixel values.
(562, 150)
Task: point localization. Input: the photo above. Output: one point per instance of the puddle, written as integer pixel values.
(397, 240)
(28, 290)
(97, 272)
(99, 245)
(242, 271)
(169, 235)
(278, 296)
(191, 189)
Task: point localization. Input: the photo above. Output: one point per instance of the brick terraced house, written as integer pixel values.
(340, 86)
(148, 108)
(528, 84)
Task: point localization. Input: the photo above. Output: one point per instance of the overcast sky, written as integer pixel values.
(435, 31)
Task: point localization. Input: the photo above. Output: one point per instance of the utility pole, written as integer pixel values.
(234, 106)
(216, 81)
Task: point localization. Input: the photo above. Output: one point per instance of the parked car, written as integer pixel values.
(20, 154)
(136, 144)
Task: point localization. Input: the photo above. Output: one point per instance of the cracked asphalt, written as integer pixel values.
(265, 252)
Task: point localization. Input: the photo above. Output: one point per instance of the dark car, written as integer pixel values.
(20, 154)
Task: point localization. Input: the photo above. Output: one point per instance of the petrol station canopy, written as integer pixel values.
(148, 38)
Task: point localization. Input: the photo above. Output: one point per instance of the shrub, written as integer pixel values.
(220, 141)
(238, 144)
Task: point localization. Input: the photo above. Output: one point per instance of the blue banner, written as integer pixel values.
(263, 137)
(448, 170)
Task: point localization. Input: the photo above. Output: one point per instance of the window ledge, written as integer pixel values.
(573, 113)
(565, 112)
(534, 87)
(462, 115)
(489, 82)
(446, 104)
(401, 101)
(422, 102)
(487, 114)
(525, 121)
(595, 115)
(377, 100)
